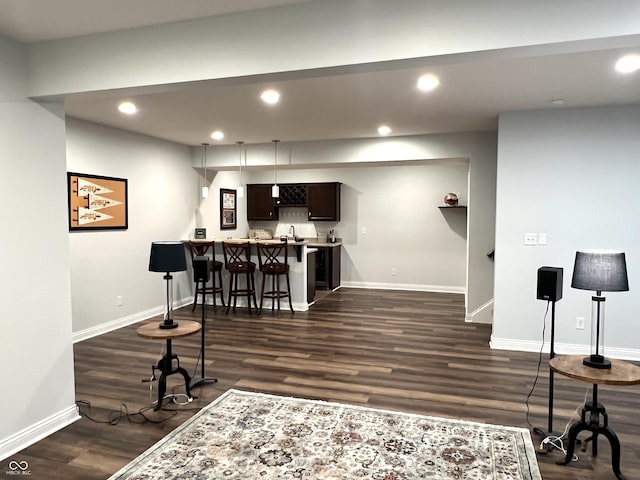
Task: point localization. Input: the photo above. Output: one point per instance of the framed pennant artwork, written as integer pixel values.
(96, 202)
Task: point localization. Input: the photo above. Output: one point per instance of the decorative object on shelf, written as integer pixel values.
(601, 271)
(227, 209)
(275, 190)
(201, 233)
(240, 187)
(451, 199)
(168, 257)
(96, 202)
(205, 187)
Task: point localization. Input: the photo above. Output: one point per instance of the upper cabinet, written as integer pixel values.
(260, 203)
(322, 200)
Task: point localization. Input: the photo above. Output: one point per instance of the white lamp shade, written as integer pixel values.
(205, 192)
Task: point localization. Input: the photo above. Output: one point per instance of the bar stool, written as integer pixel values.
(206, 249)
(274, 262)
(237, 260)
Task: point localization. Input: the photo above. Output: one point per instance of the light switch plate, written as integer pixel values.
(542, 239)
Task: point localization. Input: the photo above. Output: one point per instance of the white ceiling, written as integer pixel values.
(473, 90)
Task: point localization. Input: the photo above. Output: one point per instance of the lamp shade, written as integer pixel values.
(167, 257)
(600, 271)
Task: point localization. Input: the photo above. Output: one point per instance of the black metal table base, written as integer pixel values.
(165, 365)
(590, 420)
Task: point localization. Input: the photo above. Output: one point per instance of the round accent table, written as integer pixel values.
(620, 373)
(165, 364)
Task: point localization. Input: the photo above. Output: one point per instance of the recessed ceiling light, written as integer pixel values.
(428, 82)
(270, 96)
(217, 135)
(557, 101)
(384, 130)
(128, 108)
(628, 63)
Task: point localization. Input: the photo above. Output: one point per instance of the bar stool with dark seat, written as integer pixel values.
(207, 249)
(237, 260)
(274, 262)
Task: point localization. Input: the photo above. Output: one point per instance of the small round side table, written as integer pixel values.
(165, 365)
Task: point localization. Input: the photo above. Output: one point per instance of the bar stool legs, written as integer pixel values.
(235, 291)
(275, 294)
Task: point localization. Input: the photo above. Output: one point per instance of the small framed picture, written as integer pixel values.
(227, 209)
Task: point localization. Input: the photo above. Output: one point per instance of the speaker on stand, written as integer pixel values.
(550, 289)
(201, 274)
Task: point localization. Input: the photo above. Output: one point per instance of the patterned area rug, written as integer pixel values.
(244, 435)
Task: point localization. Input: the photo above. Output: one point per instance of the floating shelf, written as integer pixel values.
(446, 207)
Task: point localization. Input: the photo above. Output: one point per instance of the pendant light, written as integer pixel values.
(205, 188)
(240, 192)
(275, 190)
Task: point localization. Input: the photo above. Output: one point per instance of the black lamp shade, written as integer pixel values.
(600, 271)
(167, 257)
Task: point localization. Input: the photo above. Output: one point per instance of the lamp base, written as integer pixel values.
(596, 361)
(168, 324)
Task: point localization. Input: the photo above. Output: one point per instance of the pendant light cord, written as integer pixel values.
(204, 162)
(240, 153)
(275, 162)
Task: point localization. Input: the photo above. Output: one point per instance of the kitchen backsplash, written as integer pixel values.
(298, 218)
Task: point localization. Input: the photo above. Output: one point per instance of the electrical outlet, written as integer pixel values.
(530, 238)
(119, 301)
(579, 323)
(394, 272)
(364, 230)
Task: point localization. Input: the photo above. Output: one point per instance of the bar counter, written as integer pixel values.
(298, 267)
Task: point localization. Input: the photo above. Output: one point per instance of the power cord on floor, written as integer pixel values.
(557, 441)
(115, 416)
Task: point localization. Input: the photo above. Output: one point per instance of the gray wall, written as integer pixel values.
(35, 345)
(162, 201)
(572, 174)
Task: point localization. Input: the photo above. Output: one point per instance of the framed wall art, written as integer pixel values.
(96, 202)
(227, 209)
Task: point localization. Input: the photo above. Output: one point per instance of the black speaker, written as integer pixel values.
(550, 283)
(201, 269)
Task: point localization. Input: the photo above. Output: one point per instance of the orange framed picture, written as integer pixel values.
(97, 202)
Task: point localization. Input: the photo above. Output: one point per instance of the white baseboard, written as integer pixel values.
(561, 348)
(36, 432)
(125, 321)
(484, 314)
(405, 286)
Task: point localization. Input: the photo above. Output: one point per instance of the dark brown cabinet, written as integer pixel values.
(323, 201)
(260, 203)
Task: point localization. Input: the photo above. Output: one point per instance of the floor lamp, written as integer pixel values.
(599, 271)
(168, 257)
(201, 273)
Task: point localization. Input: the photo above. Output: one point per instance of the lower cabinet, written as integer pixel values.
(328, 268)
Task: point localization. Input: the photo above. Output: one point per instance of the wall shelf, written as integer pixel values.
(449, 207)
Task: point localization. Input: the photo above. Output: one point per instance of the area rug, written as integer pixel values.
(244, 435)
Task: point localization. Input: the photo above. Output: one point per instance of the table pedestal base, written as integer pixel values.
(590, 420)
(165, 365)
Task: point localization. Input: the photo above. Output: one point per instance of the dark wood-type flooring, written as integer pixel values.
(406, 351)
